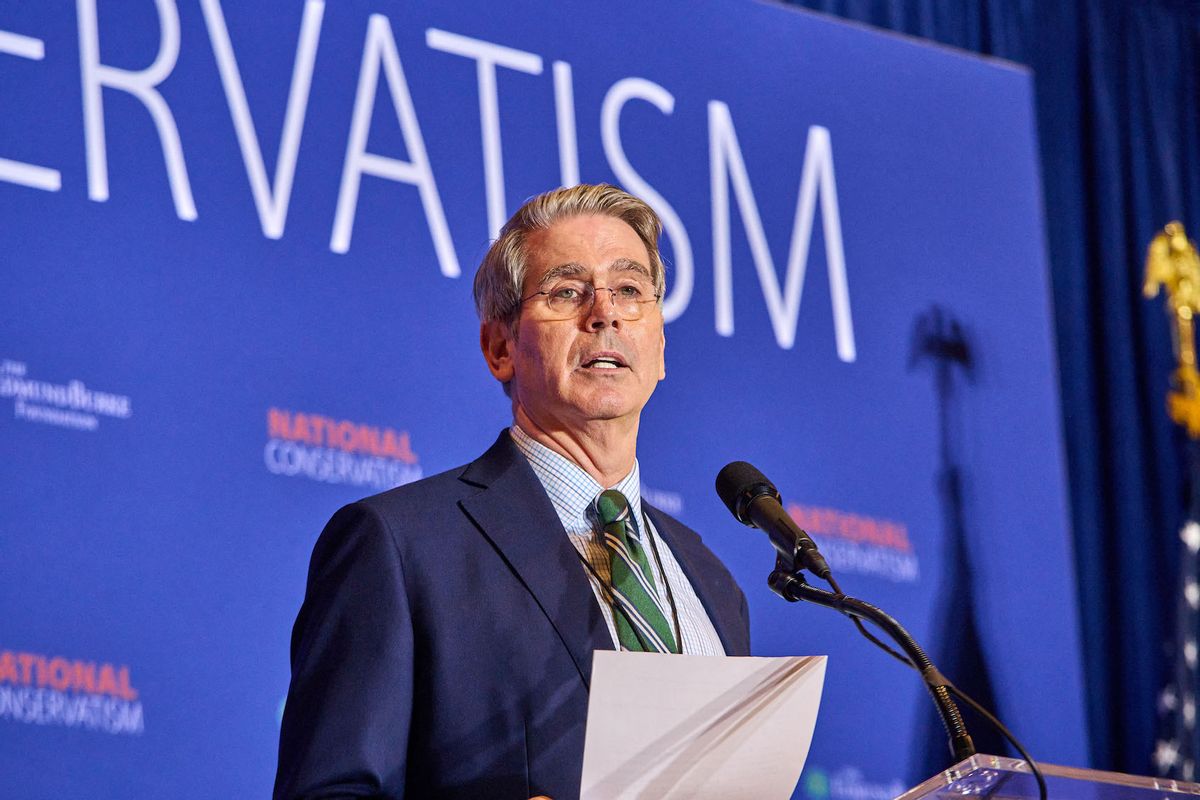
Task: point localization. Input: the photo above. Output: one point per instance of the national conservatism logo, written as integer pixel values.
(859, 544)
(42, 689)
(322, 448)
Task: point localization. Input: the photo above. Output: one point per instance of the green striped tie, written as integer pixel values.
(641, 624)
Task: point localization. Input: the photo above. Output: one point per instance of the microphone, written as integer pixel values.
(755, 501)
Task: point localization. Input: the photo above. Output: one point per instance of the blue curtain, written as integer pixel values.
(1116, 84)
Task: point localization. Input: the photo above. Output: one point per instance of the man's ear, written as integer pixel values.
(496, 341)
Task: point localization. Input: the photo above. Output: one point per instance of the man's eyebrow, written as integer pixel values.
(629, 265)
(570, 269)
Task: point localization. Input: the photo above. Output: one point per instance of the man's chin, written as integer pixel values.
(608, 407)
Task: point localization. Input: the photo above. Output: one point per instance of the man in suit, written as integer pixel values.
(444, 647)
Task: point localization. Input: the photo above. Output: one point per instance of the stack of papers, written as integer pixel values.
(669, 726)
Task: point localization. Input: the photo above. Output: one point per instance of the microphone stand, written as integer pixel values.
(787, 582)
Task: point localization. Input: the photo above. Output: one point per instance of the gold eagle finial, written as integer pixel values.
(1173, 263)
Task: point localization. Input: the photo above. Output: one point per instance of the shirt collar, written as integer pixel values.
(570, 488)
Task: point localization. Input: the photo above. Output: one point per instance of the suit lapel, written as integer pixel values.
(724, 611)
(515, 515)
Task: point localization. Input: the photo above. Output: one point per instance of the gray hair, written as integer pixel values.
(501, 274)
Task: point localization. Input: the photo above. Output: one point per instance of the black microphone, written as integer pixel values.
(755, 501)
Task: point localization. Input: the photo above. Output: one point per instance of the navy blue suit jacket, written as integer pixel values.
(444, 647)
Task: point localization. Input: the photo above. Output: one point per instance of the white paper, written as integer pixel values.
(698, 727)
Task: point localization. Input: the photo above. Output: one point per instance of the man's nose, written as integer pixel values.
(604, 308)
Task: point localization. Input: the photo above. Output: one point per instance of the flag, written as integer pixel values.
(1175, 751)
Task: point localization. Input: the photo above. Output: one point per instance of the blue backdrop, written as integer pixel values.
(238, 244)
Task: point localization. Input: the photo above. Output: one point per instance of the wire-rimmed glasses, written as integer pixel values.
(569, 298)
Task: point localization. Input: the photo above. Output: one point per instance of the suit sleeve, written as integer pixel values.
(349, 706)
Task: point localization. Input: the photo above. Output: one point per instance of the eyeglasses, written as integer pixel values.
(568, 299)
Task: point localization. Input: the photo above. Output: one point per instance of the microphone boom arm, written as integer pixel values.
(791, 586)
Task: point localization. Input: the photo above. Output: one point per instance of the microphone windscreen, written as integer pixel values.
(736, 484)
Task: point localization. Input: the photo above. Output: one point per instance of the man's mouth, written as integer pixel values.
(605, 361)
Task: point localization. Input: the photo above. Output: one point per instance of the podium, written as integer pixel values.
(1000, 778)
